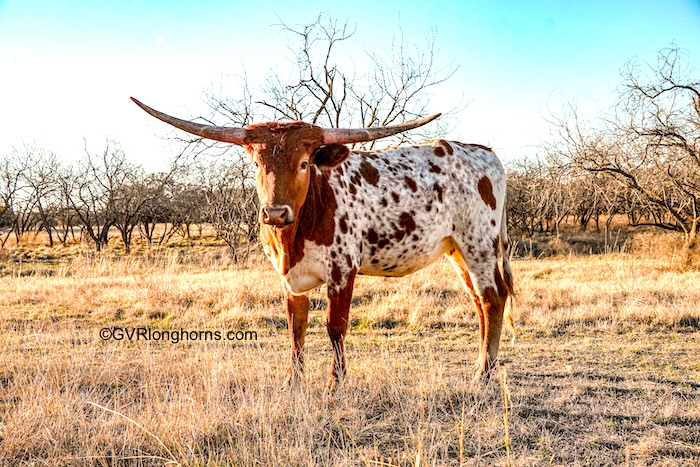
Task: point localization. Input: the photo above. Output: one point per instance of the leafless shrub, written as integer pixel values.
(229, 203)
(649, 144)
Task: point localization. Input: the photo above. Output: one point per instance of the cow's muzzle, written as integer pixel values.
(277, 215)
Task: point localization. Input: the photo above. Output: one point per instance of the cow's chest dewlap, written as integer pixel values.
(308, 273)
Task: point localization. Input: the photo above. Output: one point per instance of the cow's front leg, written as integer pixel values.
(339, 298)
(297, 320)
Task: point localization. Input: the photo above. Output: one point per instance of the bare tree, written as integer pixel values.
(42, 186)
(394, 88)
(174, 203)
(230, 204)
(188, 207)
(11, 173)
(319, 88)
(66, 218)
(9, 181)
(525, 207)
(17, 196)
(649, 144)
(129, 197)
(92, 188)
(157, 208)
(540, 196)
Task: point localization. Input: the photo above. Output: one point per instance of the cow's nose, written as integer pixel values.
(277, 215)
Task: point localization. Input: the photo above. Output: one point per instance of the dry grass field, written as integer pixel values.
(605, 370)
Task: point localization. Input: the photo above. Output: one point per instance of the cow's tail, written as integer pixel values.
(507, 274)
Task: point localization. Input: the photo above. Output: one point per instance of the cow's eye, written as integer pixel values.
(304, 165)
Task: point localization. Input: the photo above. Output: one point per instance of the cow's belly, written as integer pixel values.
(400, 260)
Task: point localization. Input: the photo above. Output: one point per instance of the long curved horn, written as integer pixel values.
(360, 135)
(219, 133)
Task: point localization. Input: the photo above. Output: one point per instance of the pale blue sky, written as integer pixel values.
(68, 67)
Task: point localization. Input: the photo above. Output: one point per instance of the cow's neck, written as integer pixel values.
(315, 223)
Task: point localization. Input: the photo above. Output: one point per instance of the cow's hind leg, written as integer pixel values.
(297, 320)
(463, 273)
(480, 275)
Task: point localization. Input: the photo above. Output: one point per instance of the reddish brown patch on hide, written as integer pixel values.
(407, 223)
(372, 236)
(445, 145)
(486, 192)
(480, 146)
(411, 183)
(369, 173)
(336, 274)
(438, 190)
(500, 283)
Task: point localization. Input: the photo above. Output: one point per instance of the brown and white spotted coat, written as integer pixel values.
(391, 213)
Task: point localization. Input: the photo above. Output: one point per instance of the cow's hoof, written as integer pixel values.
(333, 387)
(479, 380)
(293, 380)
(483, 370)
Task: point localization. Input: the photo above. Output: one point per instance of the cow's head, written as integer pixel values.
(283, 154)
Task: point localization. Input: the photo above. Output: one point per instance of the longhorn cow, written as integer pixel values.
(328, 214)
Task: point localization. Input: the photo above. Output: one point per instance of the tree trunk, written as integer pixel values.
(689, 245)
(45, 223)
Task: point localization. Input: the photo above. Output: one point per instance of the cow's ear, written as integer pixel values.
(330, 155)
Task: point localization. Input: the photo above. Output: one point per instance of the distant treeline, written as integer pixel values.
(103, 192)
(84, 201)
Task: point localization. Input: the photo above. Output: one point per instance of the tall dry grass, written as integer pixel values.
(605, 369)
